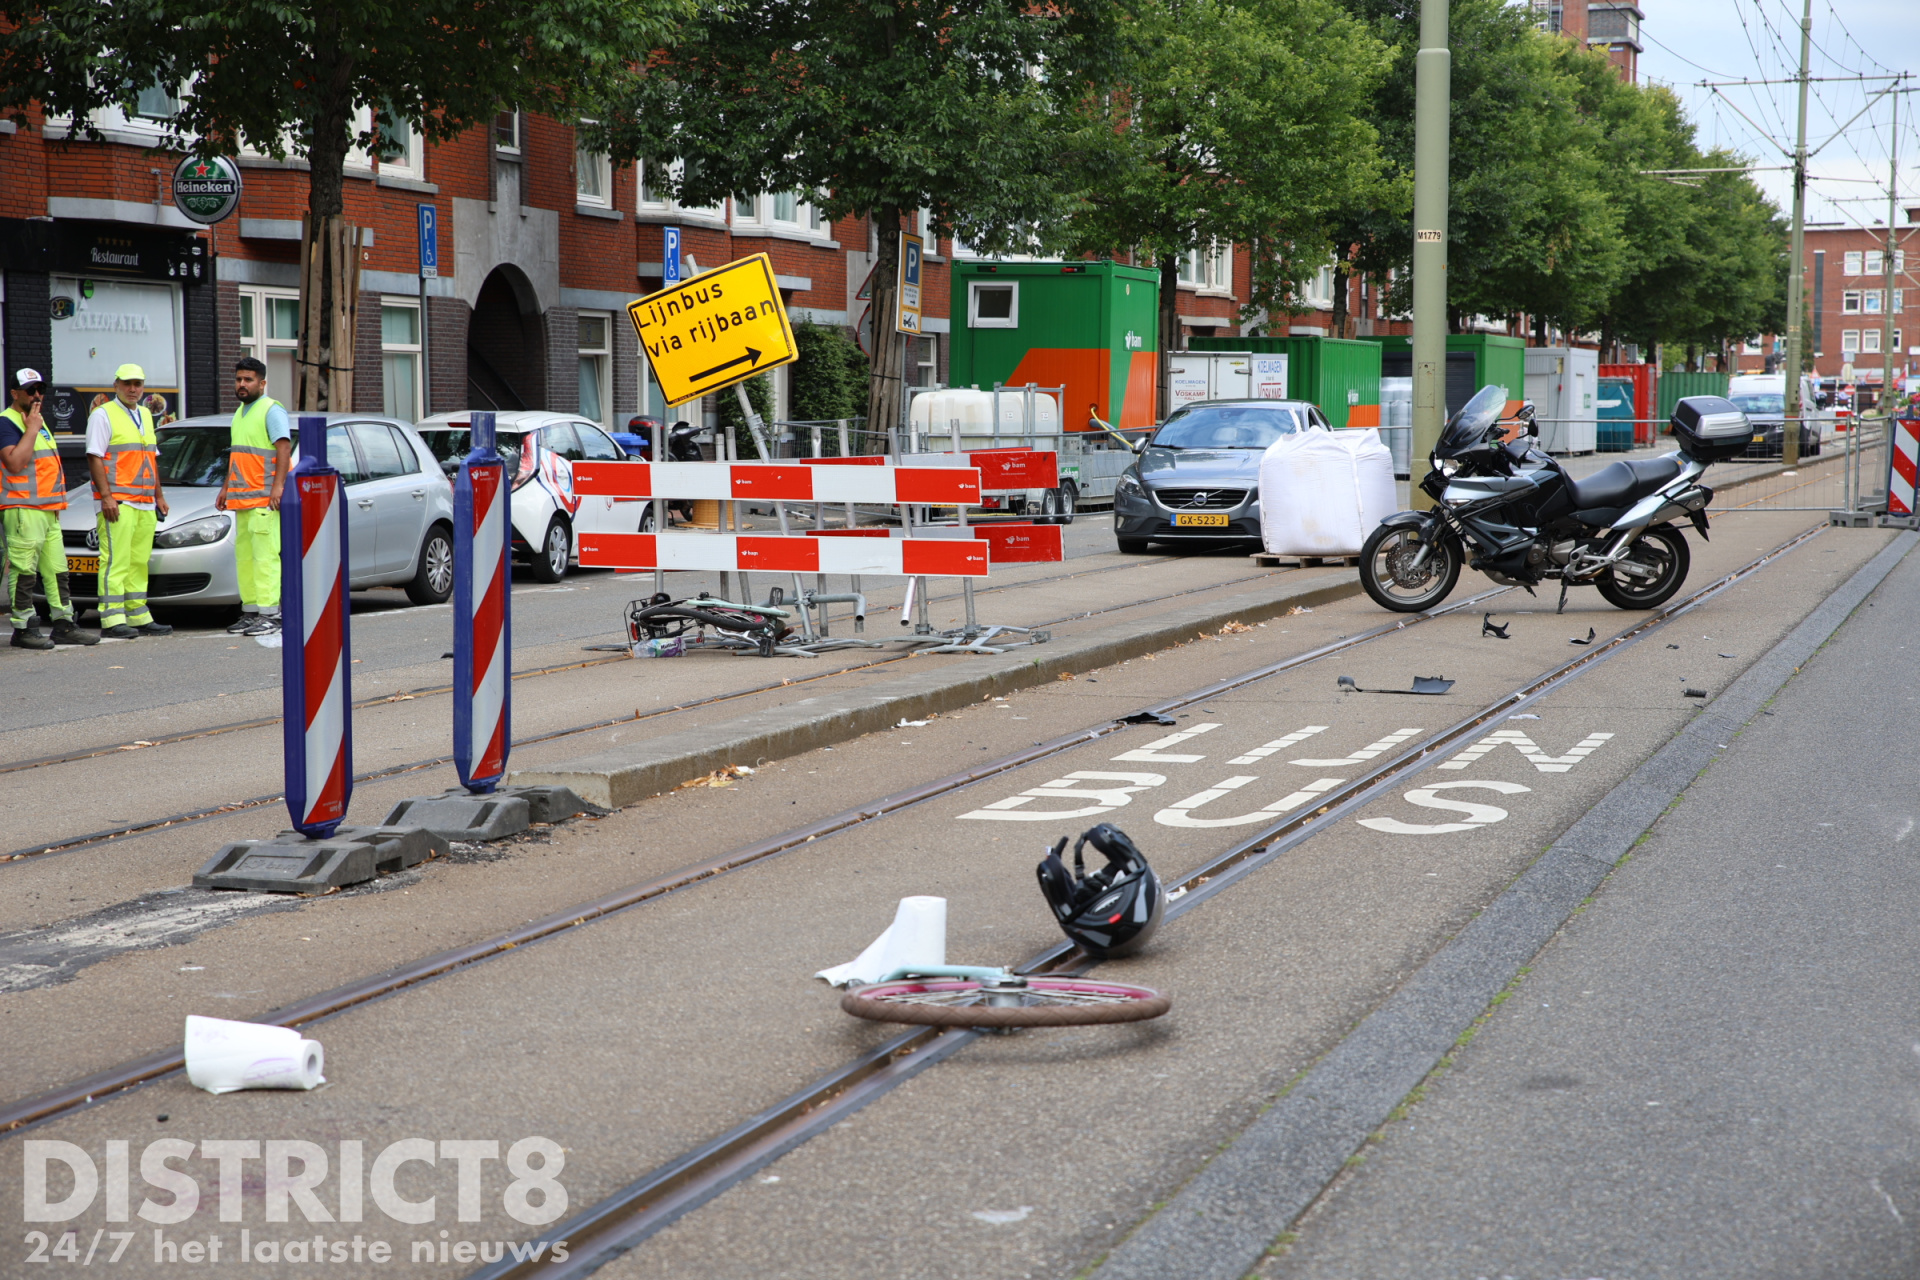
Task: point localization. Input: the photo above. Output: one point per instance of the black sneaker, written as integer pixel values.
(29, 638)
(119, 631)
(66, 633)
(266, 625)
(155, 629)
(239, 628)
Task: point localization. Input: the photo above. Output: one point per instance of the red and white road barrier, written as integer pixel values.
(317, 698)
(1007, 543)
(754, 553)
(778, 482)
(482, 644)
(1904, 473)
(1001, 470)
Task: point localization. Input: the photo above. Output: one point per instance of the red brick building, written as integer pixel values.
(540, 248)
(1848, 303)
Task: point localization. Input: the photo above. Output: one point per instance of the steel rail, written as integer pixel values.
(626, 1218)
(62, 1098)
(237, 806)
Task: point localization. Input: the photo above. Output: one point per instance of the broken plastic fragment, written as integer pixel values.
(1696, 693)
(1488, 629)
(1588, 640)
(1146, 717)
(1346, 682)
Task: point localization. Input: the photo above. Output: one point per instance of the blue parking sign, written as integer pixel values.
(670, 257)
(429, 242)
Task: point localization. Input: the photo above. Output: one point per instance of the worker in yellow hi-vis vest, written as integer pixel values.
(33, 493)
(123, 455)
(259, 456)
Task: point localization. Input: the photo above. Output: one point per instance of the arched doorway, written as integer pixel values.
(506, 345)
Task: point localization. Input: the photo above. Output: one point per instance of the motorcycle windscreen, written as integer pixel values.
(1468, 427)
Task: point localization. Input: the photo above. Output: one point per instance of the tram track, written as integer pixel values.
(325, 1004)
(224, 808)
(656, 1199)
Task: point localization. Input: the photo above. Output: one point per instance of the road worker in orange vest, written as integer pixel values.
(259, 456)
(33, 493)
(124, 456)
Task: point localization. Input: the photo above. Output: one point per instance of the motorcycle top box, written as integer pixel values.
(1710, 428)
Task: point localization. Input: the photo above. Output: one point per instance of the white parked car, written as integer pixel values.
(540, 448)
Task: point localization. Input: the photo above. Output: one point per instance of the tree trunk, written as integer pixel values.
(1169, 333)
(889, 348)
(1342, 281)
(329, 260)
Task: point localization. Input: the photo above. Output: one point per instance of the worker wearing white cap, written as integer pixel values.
(124, 456)
(33, 493)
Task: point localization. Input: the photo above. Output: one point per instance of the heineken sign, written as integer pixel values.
(206, 188)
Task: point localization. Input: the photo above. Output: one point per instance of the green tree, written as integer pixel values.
(1237, 122)
(292, 76)
(828, 381)
(878, 108)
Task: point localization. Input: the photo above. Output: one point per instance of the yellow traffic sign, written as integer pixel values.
(714, 330)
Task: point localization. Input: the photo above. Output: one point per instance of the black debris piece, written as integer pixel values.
(1147, 717)
(1421, 684)
(1588, 640)
(446, 655)
(1673, 646)
(1488, 629)
(1726, 655)
(1696, 693)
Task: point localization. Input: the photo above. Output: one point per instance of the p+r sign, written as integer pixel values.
(712, 331)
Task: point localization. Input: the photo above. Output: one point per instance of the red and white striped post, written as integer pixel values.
(1903, 468)
(317, 697)
(482, 622)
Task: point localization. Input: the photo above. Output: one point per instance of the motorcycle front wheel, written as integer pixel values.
(1660, 549)
(1398, 578)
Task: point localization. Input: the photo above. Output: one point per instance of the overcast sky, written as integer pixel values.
(1687, 41)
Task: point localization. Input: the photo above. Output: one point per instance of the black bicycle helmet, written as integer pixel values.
(1113, 911)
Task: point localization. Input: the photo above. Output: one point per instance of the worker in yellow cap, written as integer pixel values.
(259, 458)
(123, 455)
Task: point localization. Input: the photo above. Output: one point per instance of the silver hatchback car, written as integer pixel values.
(399, 513)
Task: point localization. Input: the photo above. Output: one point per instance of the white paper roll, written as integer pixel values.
(223, 1056)
(917, 936)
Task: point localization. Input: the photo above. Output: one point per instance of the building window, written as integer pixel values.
(1899, 301)
(993, 304)
(269, 332)
(1849, 342)
(400, 361)
(401, 150)
(1869, 342)
(1870, 302)
(156, 102)
(1851, 265)
(1876, 262)
(1850, 303)
(927, 353)
(1318, 291)
(506, 133)
(593, 177)
(596, 365)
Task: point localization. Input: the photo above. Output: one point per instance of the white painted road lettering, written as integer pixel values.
(1152, 751)
(1106, 799)
(1258, 754)
(1181, 814)
(1365, 754)
(1525, 746)
(1475, 815)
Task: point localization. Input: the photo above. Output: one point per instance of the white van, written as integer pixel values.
(1763, 397)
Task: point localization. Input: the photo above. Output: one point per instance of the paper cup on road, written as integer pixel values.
(917, 936)
(223, 1056)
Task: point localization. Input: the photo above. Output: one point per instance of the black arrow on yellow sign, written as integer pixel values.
(751, 358)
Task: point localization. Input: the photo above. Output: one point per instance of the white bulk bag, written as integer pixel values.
(1323, 492)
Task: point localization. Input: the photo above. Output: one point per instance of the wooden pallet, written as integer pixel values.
(1266, 561)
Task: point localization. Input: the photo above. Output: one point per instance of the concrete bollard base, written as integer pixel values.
(282, 865)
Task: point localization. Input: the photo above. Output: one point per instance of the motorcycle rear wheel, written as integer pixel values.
(1662, 548)
(1388, 550)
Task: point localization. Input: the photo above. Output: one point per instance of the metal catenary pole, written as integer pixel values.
(1431, 151)
(1796, 273)
(315, 657)
(1886, 305)
(482, 615)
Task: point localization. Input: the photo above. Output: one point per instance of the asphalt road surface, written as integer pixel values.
(629, 1041)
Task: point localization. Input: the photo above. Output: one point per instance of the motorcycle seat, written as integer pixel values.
(1623, 483)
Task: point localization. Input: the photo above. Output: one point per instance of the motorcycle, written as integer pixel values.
(1504, 507)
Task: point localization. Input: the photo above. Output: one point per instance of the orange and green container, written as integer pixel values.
(1091, 327)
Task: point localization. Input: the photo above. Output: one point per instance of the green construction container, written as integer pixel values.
(1341, 375)
(1474, 360)
(1677, 386)
(1091, 327)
